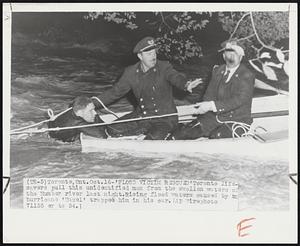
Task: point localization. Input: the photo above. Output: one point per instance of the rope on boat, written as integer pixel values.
(245, 127)
(96, 124)
(237, 125)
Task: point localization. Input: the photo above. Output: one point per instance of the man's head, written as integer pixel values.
(146, 52)
(84, 107)
(233, 54)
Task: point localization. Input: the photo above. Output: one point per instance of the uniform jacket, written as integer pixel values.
(232, 99)
(153, 89)
(70, 135)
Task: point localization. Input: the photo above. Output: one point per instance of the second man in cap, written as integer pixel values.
(151, 82)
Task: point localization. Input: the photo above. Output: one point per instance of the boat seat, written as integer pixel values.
(271, 136)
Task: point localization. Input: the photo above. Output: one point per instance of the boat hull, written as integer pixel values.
(274, 148)
(246, 146)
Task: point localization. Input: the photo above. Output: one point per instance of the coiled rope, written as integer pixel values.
(237, 125)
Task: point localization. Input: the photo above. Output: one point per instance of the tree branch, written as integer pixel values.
(237, 25)
(164, 22)
(168, 16)
(246, 37)
(257, 50)
(256, 34)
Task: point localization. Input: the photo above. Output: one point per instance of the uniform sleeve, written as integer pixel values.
(242, 94)
(175, 78)
(210, 93)
(116, 92)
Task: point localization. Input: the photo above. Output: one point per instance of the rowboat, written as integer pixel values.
(270, 138)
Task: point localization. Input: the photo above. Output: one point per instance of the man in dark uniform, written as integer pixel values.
(81, 113)
(151, 81)
(227, 98)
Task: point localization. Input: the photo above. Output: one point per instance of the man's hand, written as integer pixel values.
(203, 107)
(192, 84)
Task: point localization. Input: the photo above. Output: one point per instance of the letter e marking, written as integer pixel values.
(241, 227)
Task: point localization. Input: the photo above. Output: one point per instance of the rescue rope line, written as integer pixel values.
(51, 115)
(96, 124)
(103, 105)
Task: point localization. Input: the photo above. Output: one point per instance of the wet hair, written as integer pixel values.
(81, 102)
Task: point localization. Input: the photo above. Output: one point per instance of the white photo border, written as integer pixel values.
(97, 226)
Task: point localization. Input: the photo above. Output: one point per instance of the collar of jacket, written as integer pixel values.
(139, 68)
(232, 69)
(235, 74)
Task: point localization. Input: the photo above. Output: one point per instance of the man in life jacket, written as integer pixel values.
(82, 113)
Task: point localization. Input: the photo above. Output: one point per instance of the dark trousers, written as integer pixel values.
(154, 129)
